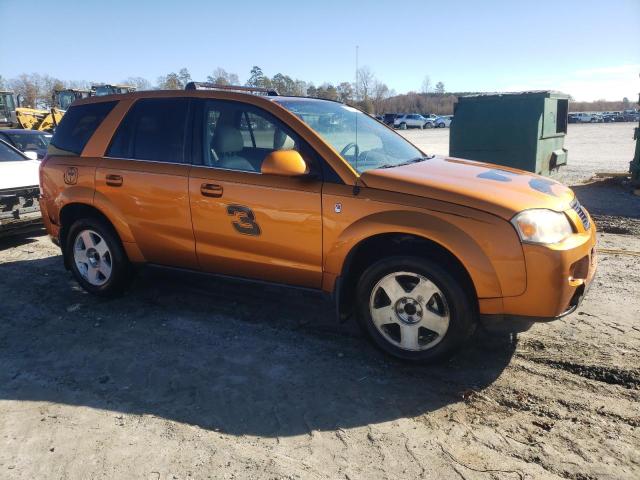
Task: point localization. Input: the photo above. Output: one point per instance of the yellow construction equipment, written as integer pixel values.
(62, 99)
(13, 115)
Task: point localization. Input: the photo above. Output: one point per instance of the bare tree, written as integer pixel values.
(345, 92)
(365, 83)
(380, 93)
(222, 77)
(171, 81)
(36, 90)
(139, 82)
(426, 84)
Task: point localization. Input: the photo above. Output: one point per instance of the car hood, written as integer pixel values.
(492, 188)
(23, 173)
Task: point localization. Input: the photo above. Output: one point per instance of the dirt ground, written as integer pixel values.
(189, 377)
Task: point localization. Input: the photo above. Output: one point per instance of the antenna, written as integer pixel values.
(357, 149)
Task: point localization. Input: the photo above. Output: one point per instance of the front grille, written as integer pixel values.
(584, 218)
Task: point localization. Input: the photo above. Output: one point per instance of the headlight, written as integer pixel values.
(542, 226)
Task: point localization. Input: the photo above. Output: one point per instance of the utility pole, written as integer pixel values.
(357, 82)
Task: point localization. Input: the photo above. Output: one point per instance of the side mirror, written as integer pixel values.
(285, 163)
(31, 155)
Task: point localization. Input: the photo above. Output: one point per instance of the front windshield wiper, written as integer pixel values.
(413, 160)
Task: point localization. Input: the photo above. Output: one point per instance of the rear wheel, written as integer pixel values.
(414, 309)
(98, 261)
(403, 126)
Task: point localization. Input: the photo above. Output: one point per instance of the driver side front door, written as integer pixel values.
(245, 223)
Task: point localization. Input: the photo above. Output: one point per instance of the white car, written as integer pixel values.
(443, 121)
(584, 117)
(19, 190)
(412, 120)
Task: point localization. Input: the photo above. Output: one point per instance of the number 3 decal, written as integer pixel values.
(245, 220)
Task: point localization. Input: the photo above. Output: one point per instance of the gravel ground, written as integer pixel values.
(183, 378)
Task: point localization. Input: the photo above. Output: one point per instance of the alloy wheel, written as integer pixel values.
(409, 311)
(92, 257)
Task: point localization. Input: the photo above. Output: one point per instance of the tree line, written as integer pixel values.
(367, 92)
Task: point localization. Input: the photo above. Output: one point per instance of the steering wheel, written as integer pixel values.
(348, 147)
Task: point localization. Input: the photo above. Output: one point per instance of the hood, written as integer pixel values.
(22, 173)
(492, 188)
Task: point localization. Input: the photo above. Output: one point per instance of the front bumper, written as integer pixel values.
(19, 210)
(558, 278)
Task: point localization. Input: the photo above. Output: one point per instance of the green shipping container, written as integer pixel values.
(523, 130)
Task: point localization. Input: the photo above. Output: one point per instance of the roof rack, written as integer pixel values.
(235, 88)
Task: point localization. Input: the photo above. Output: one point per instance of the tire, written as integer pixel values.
(96, 257)
(403, 126)
(420, 328)
(428, 125)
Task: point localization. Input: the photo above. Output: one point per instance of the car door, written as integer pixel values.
(245, 223)
(143, 180)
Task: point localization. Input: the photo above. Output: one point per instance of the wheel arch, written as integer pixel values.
(74, 211)
(393, 233)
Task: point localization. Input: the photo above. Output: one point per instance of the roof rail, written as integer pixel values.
(272, 92)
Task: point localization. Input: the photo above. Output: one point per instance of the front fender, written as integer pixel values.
(488, 248)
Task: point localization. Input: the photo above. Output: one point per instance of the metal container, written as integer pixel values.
(634, 168)
(522, 130)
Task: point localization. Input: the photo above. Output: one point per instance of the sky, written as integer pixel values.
(588, 49)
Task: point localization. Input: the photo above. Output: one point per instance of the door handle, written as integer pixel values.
(211, 190)
(114, 180)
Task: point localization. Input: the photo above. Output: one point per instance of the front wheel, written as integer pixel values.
(414, 309)
(403, 126)
(428, 125)
(98, 261)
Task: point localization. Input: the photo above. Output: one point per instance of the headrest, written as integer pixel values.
(228, 140)
(282, 141)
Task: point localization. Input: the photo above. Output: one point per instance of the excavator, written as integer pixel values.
(13, 115)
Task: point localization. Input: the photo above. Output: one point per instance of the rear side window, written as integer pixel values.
(153, 129)
(79, 124)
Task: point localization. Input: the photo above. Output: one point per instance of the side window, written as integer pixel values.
(153, 129)
(78, 125)
(238, 136)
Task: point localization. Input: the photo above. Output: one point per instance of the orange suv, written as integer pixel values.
(312, 193)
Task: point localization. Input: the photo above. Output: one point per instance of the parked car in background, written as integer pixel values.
(430, 120)
(27, 141)
(631, 115)
(584, 117)
(388, 118)
(443, 121)
(19, 190)
(572, 118)
(412, 120)
(610, 117)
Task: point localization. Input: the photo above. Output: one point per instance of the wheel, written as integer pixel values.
(428, 125)
(98, 261)
(414, 309)
(403, 126)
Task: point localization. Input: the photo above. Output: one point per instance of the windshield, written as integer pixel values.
(30, 141)
(65, 99)
(8, 154)
(362, 141)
